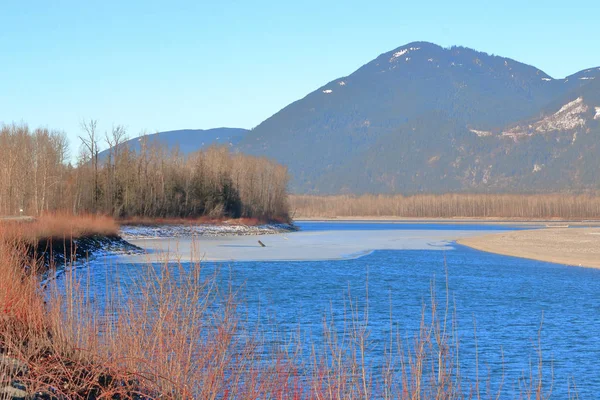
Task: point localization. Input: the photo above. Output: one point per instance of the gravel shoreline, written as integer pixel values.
(175, 231)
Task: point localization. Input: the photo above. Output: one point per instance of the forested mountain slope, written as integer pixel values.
(422, 118)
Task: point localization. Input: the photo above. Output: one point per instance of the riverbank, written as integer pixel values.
(569, 246)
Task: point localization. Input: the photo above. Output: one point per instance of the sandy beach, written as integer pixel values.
(570, 246)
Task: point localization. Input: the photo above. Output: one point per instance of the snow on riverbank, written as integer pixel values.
(171, 231)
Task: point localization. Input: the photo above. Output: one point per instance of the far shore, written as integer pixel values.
(569, 246)
(456, 220)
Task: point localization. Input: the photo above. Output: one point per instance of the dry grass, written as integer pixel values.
(39, 356)
(58, 225)
(542, 207)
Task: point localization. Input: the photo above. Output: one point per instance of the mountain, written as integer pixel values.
(422, 118)
(187, 140)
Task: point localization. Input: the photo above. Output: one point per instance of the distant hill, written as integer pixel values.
(188, 140)
(422, 118)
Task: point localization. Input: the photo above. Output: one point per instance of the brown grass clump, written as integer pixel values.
(58, 225)
(35, 354)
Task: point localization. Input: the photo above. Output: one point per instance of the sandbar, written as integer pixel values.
(569, 246)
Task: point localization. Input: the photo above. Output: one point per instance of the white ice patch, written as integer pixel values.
(537, 168)
(327, 91)
(430, 59)
(585, 78)
(597, 116)
(296, 246)
(342, 83)
(407, 59)
(546, 79)
(481, 133)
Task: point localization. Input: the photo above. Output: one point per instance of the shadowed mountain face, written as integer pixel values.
(187, 140)
(422, 118)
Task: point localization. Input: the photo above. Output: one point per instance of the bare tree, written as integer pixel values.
(90, 142)
(114, 141)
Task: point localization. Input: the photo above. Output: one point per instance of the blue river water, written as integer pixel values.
(509, 307)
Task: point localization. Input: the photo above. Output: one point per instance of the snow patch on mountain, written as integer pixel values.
(569, 117)
(585, 78)
(537, 168)
(327, 91)
(546, 79)
(481, 133)
(399, 54)
(403, 52)
(342, 83)
(597, 116)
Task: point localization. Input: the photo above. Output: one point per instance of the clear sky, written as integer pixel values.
(163, 65)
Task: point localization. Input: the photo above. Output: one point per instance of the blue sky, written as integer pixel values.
(158, 65)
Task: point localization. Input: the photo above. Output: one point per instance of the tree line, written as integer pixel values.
(536, 206)
(36, 176)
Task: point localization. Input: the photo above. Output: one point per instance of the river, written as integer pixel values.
(506, 306)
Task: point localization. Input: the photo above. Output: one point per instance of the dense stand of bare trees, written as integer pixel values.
(35, 176)
(33, 173)
(449, 206)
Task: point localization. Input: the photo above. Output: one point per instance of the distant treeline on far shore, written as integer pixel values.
(541, 206)
(36, 177)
